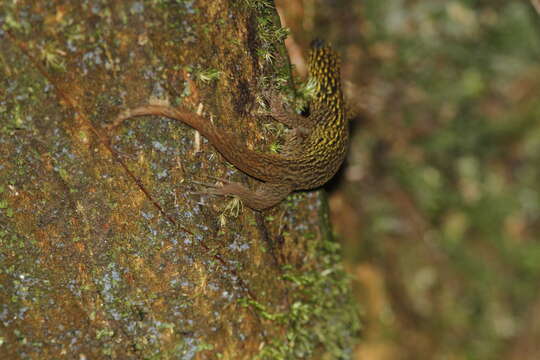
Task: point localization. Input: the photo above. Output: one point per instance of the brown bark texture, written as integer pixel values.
(106, 249)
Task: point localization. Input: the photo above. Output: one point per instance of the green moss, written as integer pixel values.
(105, 332)
(207, 75)
(322, 313)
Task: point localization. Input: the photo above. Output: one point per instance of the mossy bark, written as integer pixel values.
(105, 251)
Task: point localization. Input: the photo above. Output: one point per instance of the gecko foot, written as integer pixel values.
(228, 187)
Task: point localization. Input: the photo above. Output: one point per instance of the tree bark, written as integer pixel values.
(105, 249)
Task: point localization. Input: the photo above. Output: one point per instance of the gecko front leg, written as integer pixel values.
(281, 112)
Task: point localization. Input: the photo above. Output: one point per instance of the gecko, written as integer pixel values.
(314, 149)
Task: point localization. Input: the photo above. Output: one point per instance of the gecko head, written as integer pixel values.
(324, 68)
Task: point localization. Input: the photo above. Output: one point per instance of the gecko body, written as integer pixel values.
(313, 152)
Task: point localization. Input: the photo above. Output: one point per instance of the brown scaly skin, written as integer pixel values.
(315, 149)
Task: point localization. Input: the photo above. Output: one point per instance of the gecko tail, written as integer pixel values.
(272, 168)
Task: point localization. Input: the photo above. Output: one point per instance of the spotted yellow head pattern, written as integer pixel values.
(324, 70)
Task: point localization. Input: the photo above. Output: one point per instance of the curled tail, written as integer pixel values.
(271, 168)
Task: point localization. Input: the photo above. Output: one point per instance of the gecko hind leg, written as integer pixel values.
(264, 197)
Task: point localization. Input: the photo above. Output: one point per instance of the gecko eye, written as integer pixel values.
(317, 43)
(305, 111)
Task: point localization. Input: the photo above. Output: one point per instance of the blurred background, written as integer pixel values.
(438, 207)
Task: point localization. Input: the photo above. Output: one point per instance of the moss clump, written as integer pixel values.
(322, 321)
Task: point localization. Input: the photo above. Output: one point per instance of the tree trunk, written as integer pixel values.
(106, 251)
